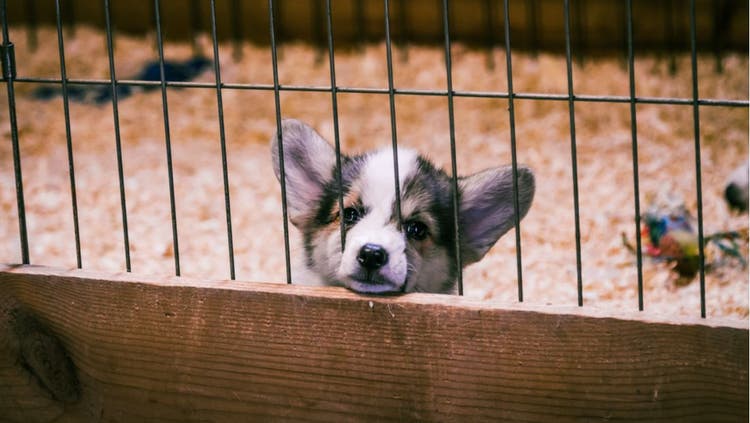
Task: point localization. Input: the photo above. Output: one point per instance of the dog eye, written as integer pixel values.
(351, 215)
(416, 230)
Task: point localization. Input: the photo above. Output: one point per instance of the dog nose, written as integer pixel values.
(372, 256)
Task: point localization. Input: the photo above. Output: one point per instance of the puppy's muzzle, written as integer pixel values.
(372, 257)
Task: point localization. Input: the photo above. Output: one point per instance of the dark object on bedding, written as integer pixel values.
(736, 189)
(174, 71)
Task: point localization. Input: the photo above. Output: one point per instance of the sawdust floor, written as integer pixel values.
(665, 158)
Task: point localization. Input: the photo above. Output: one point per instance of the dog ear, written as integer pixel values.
(486, 209)
(308, 164)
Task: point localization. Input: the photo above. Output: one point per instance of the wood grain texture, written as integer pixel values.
(191, 350)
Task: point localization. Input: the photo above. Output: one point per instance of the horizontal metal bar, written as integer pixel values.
(417, 92)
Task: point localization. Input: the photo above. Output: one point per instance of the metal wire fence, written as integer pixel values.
(695, 101)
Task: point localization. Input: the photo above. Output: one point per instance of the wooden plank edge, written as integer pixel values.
(344, 294)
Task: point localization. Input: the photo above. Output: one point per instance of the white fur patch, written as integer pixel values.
(378, 195)
(369, 231)
(377, 187)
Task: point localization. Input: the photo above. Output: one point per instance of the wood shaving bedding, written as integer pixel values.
(603, 142)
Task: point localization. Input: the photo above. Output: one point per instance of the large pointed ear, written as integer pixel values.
(486, 208)
(308, 164)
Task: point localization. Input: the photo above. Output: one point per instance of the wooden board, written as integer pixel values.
(190, 350)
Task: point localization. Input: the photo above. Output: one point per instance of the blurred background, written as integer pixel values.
(597, 26)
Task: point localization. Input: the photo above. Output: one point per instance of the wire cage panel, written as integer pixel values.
(396, 84)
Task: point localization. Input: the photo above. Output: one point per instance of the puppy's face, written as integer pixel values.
(384, 251)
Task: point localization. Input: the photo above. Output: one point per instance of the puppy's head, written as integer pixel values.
(382, 251)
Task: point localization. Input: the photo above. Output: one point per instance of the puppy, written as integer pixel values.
(382, 251)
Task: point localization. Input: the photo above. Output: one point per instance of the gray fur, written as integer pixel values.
(487, 208)
(308, 160)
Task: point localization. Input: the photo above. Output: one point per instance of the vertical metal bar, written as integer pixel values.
(167, 138)
(118, 144)
(335, 110)
(452, 126)
(223, 139)
(514, 160)
(634, 138)
(153, 25)
(236, 17)
(68, 137)
(573, 150)
(9, 75)
(697, 135)
(279, 135)
(392, 103)
(107, 11)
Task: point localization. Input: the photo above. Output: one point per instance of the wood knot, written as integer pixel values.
(43, 355)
